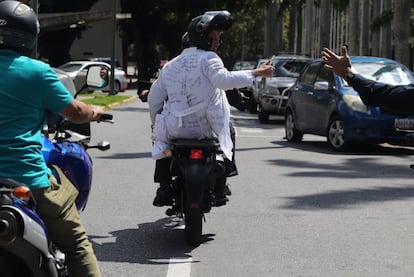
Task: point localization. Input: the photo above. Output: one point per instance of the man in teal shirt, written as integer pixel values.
(28, 88)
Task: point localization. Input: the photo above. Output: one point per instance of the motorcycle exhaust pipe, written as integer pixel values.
(8, 228)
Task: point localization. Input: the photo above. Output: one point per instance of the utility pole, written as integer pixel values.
(112, 76)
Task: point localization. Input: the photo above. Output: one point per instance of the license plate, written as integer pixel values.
(404, 123)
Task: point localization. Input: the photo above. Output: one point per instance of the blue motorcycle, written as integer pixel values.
(25, 249)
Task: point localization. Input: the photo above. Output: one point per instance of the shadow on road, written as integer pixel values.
(344, 199)
(150, 243)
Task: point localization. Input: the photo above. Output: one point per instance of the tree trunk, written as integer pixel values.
(386, 33)
(365, 31)
(401, 30)
(325, 24)
(309, 27)
(354, 27)
(292, 25)
(271, 26)
(375, 40)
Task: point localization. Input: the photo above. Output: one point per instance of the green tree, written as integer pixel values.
(156, 27)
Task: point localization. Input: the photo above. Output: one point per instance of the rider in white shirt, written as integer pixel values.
(188, 99)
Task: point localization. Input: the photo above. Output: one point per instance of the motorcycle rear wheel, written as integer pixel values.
(193, 226)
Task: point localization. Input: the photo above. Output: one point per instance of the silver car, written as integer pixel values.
(269, 93)
(77, 71)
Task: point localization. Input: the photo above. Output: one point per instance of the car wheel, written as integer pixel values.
(263, 115)
(292, 134)
(336, 134)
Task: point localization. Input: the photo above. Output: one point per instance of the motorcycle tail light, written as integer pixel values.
(22, 193)
(196, 154)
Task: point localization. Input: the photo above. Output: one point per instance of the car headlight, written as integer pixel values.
(271, 91)
(355, 103)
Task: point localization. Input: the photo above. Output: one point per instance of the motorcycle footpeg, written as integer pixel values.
(172, 211)
(169, 212)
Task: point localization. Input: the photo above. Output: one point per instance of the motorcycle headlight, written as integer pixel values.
(355, 103)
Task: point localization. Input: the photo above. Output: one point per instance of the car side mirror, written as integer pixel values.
(98, 76)
(324, 85)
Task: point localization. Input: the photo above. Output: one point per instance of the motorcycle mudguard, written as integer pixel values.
(196, 174)
(75, 163)
(197, 180)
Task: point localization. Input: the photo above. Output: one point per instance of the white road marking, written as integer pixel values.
(179, 267)
(251, 130)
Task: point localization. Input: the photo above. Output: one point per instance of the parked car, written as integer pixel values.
(65, 79)
(106, 60)
(77, 70)
(322, 103)
(241, 65)
(247, 92)
(269, 93)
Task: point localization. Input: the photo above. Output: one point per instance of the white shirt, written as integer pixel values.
(188, 100)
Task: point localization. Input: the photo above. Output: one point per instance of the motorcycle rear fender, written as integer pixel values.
(196, 174)
(33, 232)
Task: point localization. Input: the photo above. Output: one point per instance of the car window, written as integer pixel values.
(288, 68)
(325, 75)
(70, 67)
(309, 76)
(388, 73)
(106, 60)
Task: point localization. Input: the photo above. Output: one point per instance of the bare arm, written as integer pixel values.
(265, 70)
(78, 112)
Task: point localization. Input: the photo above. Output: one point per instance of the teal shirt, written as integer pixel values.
(27, 88)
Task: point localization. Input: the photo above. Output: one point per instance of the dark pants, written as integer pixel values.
(162, 166)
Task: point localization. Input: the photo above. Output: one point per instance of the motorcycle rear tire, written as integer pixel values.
(12, 266)
(193, 226)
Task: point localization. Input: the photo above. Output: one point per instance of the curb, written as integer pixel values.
(117, 104)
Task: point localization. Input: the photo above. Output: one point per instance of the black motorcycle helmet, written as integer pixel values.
(19, 26)
(185, 41)
(200, 26)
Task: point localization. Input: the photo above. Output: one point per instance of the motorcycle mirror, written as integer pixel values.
(103, 145)
(98, 76)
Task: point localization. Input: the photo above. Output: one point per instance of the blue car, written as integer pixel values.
(322, 103)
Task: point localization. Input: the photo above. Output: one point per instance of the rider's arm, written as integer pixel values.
(220, 77)
(78, 112)
(156, 98)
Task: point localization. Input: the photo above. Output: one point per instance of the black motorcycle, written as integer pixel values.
(197, 166)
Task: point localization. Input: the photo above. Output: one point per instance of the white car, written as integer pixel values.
(77, 71)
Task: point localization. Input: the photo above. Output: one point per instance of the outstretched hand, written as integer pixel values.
(340, 65)
(265, 70)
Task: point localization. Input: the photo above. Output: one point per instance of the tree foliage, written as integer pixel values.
(156, 27)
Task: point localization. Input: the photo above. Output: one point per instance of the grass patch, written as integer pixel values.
(103, 100)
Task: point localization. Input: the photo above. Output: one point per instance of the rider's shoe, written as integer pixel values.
(164, 196)
(227, 190)
(220, 200)
(220, 197)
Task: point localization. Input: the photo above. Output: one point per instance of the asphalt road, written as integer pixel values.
(296, 209)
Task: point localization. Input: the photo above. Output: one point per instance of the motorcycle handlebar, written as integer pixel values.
(106, 117)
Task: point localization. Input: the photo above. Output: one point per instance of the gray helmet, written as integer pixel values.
(19, 26)
(200, 26)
